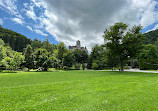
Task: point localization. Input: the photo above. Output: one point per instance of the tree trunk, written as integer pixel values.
(121, 65)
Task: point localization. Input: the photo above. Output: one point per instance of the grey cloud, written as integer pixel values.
(89, 18)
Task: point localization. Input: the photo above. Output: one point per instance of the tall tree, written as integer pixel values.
(80, 57)
(123, 43)
(17, 60)
(97, 56)
(29, 57)
(68, 59)
(84, 58)
(43, 59)
(60, 51)
(48, 46)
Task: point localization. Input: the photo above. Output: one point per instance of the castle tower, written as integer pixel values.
(78, 45)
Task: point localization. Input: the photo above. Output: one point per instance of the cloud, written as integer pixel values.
(18, 21)
(85, 20)
(30, 13)
(71, 20)
(146, 11)
(10, 7)
(40, 32)
(30, 28)
(1, 21)
(37, 3)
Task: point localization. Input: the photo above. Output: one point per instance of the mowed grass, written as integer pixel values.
(79, 90)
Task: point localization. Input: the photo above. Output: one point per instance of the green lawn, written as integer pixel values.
(79, 90)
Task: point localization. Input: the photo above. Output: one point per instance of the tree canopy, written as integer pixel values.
(123, 43)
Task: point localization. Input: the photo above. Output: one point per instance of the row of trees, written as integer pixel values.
(122, 47)
(60, 58)
(42, 55)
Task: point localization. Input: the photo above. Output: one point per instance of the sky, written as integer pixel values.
(71, 20)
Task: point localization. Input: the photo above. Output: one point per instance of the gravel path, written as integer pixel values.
(137, 70)
(133, 70)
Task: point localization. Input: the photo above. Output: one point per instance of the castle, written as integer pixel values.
(78, 46)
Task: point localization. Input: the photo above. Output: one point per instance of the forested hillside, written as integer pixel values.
(16, 41)
(151, 37)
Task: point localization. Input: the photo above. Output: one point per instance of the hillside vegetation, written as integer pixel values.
(16, 41)
(151, 37)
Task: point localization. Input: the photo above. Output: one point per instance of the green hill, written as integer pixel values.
(16, 41)
(151, 37)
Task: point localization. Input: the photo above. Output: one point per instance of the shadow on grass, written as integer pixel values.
(144, 74)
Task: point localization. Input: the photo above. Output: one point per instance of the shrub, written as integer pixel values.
(148, 64)
(77, 66)
(25, 69)
(95, 66)
(66, 68)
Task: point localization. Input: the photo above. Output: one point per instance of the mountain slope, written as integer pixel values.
(14, 39)
(151, 37)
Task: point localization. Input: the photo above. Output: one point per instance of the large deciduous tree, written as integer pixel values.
(122, 42)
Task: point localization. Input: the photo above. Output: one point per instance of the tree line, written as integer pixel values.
(41, 55)
(123, 47)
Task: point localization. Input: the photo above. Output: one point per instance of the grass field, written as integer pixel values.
(79, 90)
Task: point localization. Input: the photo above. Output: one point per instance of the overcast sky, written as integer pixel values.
(71, 20)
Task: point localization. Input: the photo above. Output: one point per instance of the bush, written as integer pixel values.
(95, 66)
(98, 65)
(66, 68)
(148, 64)
(25, 69)
(77, 66)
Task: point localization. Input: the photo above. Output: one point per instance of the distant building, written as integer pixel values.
(78, 46)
